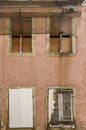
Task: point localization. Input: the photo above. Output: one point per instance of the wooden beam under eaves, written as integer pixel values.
(27, 15)
(41, 3)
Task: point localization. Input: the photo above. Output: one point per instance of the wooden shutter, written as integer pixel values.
(54, 107)
(55, 114)
(67, 106)
(60, 107)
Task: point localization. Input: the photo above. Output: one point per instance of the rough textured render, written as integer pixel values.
(41, 71)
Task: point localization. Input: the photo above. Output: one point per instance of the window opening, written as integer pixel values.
(60, 35)
(20, 108)
(60, 108)
(21, 35)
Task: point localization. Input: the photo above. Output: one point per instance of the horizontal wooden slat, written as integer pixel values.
(67, 106)
(55, 117)
(67, 114)
(67, 101)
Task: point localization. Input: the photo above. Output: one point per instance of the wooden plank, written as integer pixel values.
(15, 44)
(26, 27)
(26, 44)
(54, 44)
(66, 45)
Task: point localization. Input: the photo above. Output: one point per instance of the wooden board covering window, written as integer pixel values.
(66, 26)
(15, 27)
(26, 27)
(3, 27)
(26, 44)
(66, 45)
(54, 44)
(15, 44)
(54, 27)
(57, 43)
(21, 35)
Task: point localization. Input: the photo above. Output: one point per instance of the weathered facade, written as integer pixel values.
(51, 64)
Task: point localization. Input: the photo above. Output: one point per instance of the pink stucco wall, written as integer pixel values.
(42, 71)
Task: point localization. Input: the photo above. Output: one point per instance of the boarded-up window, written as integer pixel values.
(60, 35)
(21, 35)
(20, 108)
(60, 108)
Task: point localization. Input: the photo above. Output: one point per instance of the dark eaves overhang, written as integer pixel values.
(42, 3)
(66, 7)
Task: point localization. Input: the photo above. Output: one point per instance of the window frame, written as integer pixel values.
(33, 98)
(47, 104)
(9, 41)
(73, 41)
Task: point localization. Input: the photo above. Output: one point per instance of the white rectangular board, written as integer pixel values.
(21, 108)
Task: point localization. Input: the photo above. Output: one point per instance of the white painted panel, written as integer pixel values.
(51, 103)
(26, 109)
(14, 108)
(20, 108)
